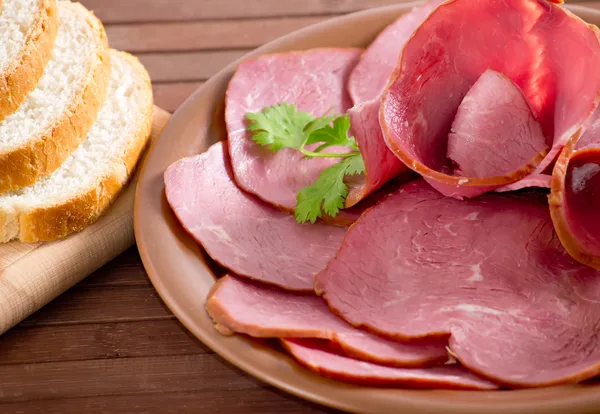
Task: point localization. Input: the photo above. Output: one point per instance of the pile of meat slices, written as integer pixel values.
(452, 279)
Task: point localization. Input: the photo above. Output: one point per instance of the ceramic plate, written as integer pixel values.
(183, 274)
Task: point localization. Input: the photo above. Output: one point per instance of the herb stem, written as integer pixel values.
(327, 154)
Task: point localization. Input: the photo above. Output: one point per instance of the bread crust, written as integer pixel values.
(22, 75)
(61, 219)
(41, 155)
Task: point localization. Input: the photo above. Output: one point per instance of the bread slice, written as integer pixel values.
(28, 30)
(58, 113)
(76, 194)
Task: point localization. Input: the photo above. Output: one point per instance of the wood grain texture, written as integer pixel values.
(172, 94)
(191, 66)
(259, 401)
(190, 36)
(115, 11)
(112, 376)
(109, 345)
(125, 270)
(35, 344)
(103, 304)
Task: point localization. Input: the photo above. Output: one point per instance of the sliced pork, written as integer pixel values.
(340, 367)
(489, 274)
(575, 197)
(261, 311)
(242, 233)
(381, 165)
(495, 122)
(536, 44)
(371, 74)
(314, 81)
(531, 181)
(591, 137)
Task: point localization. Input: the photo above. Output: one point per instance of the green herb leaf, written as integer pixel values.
(328, 193)
(279, 126)
(282, 126)
(336, 135)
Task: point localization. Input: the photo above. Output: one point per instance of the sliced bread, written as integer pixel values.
(56, 116)
(76, 194)
(28, 30)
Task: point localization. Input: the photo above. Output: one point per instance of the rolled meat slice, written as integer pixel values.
(236, 305)
(381, 165)
(536, 44)
(575, 196)
(371, 74)
(494, 121)
(488, 273)
(332, 365)
(242, 233)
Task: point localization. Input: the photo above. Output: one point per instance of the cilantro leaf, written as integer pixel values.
(279, 126)
(319, 123)
(282, 126)
(333, 135)
(328, 192)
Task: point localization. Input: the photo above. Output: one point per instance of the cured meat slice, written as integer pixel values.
(532, 42)
(315, 81)
(371, 74)
(340, 367)
(381, 165)
(262, 311)
(589, 139)
(488, 273)
(495, 122)
(532, 180)
(591, 136)
(575, 198)
(241, 232)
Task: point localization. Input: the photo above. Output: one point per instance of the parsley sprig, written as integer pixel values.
(283, 126)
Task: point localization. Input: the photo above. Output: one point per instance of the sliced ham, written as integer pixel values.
(314, 81)
(261, 311)
(488, 273)
(532, 180)
(494, 121)
(371, 74)
(242, 233)
(536, 44)
(575, 197)
(340, 367)
(591, 137)
(381, 165)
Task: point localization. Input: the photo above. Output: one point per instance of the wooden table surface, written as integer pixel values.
(109, 345)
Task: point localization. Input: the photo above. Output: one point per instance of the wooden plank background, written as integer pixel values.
(109, 345)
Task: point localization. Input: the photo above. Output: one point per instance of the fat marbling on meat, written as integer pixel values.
(489, 274)
(241, 232)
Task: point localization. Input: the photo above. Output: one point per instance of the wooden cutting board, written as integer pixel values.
(31, 275)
